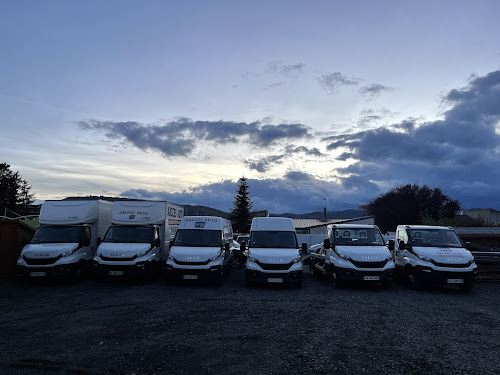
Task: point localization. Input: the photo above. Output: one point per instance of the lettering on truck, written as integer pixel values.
(200, 219)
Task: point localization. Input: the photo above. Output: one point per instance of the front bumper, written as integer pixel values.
(264, 277)
(128, 270)
(353, 274)
(63, 271)
(203, 274)
(430, 275)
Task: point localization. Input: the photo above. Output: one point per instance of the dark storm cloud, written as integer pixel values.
(295, 192)
(179, 137)
(374, 89)
(266, 163)
(333, 81)
(459, 153)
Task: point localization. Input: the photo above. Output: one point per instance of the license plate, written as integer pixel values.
(115, 273)
(38, 274)
(371, 278)
(275, 280)
(190, 277)
(455, 281)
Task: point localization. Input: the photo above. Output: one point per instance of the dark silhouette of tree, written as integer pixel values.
(410, 204)
(240, 213)
(15, 192)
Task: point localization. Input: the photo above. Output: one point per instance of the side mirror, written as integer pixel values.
(158, 242)
(304, 247)
(401, 245)
(391, 245)
(99, 241)
(226, 246)
(243, 246)
(326, 243)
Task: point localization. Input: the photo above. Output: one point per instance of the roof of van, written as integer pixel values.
(272, 223)
(423, 227)
(354, 226)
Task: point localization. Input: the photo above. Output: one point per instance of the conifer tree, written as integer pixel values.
(240, 213)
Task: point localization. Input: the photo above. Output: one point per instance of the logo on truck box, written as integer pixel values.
(199, 224)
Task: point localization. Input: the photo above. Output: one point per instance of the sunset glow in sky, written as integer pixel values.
(177, 100)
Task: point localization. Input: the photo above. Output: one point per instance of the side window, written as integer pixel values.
(401, 236)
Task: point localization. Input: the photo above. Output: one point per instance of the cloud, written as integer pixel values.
(296, 192)
(374, 89)
(266, 163)
(458, 153)
(180, 137)
(333, 81)
(292, 70)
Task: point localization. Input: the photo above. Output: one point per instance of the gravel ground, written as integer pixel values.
(124, 328)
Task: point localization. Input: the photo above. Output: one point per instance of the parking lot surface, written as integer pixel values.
(121, 327)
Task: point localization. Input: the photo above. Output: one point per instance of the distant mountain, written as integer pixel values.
(344, 214)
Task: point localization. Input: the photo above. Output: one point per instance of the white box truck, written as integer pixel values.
(202, 249)
(273, 252)
(66, 240)
(353, 252)
(137, 241)
(433, 254)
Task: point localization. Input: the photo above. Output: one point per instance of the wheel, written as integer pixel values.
(219, 278)
(76, 274)
(338, 283)
(416, 282)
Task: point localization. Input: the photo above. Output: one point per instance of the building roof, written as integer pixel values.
(478, 231)
(311, 223)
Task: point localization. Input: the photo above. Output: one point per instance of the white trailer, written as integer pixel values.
(137, 241)
(66, 240)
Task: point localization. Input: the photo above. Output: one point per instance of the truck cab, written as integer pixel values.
(273, 252)
(201, 250)
(354, 253)
(433, 254)
(66, 240)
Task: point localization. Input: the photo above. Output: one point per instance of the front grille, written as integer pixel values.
(275, 266)
(117, 259)
(369, 264)
(40, 261)
(182, 263)
(451, 265)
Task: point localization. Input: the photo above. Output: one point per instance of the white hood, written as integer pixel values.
(364, 253)
(271, 255)
(125, 250)
(194, 254)
(445, 254)
(47, 250)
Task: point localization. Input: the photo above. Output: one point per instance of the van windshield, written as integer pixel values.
(130, 234)
(433, 238)
(59, 234)
(198, 238)
(358, 237)
(273, 239)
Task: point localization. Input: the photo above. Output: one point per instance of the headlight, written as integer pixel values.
(143, 253)
(389, 258)
(98, 254)
(170, 257)
(252, 259)
(424, 258)
(297, 260)
(216, 258)
(68, 253)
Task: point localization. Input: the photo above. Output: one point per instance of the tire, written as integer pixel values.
(220, 278)
(466, 287)
(387, 284)
(76, 275)
(338, 283)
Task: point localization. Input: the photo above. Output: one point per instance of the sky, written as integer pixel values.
(177, 100)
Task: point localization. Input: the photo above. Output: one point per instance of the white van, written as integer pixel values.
(136, 243)
(432, 254)
(66, 240)
(201, 250)
(354, 252)
(273, 252)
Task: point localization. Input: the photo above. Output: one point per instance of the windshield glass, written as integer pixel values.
(128, 234)
(69, 234)
(197, 237)
(433, 238)
(273, 239)
(358, 237)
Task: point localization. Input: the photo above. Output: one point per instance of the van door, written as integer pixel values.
(398, 253)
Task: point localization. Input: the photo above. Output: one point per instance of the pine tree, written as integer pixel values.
(15, 192)
(240, 214)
